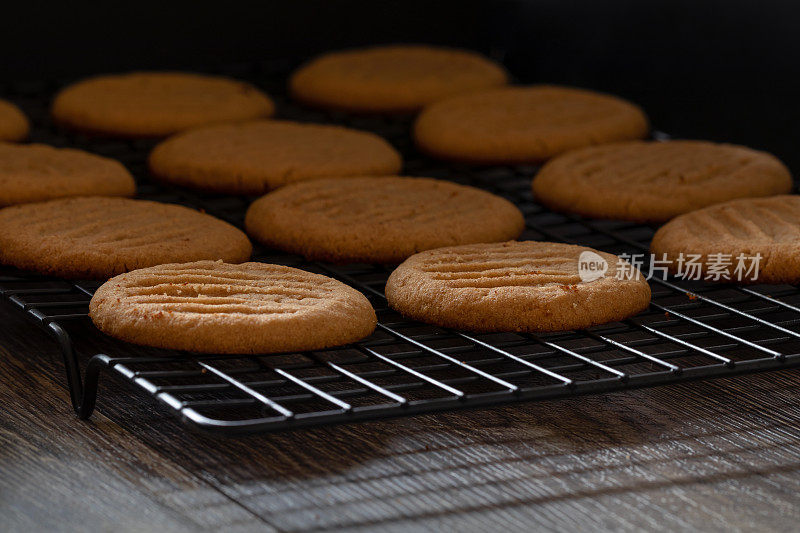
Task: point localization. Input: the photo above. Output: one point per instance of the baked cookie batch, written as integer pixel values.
(180, 279)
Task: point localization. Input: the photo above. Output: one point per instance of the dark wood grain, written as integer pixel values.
(715, 456)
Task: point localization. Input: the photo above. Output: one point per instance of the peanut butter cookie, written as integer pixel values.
(379, 220)
(95, 237)
(37, 172)
(214, 307)
(254, 157)
(14, 125)
(515, 286)
(393, 79)
(524, 124)
(655, 181)
(725, 239)
(156, 104)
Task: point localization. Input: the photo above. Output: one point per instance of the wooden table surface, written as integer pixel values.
(717, 456)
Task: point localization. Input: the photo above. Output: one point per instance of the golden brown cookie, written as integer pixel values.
(393, 79)
(214, 307)
(655, 181)
(524, 124)
(516, 286)
(14, 125)
(379, 220)
(37, 172)
(254, 157)
(156, 104)
(95, 237)
(723, 240)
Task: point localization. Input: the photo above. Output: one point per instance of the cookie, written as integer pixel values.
(655, 181)
(96, 238)
(379, 220)
(516, 125)
(14, 125)
(254, 157)
(724, 237)
(392, 79)
(215, 307)
(516, 286)
(36, 172)
(156, 104)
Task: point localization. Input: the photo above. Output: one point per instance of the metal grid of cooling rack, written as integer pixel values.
(691, 330)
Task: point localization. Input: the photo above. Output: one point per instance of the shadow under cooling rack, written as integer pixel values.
(690, 330)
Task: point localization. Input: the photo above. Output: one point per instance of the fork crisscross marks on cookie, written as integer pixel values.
(379, 220)
(215, 307)
(524, 124)
(156, 104)
(398, 78)
(738, 231)
(257, 156)
(37, 172)
(94, 237)
(206, 290)
(655, 181)
(497, 266)
(774, 219)
(680, 162)
(512, 286)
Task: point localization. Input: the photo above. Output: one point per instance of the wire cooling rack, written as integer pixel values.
(691, 330)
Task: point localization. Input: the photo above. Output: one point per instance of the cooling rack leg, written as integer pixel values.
(90, 382)
(83, 394)
(70, 364)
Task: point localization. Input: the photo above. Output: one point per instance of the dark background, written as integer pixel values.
(721, 70)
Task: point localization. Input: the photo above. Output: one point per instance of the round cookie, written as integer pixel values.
(37, 172)
(156, 104)
(384, 220)
(515, 286)
(392, 79)
(215, 307)
(514, 125)
(14, 125)
(749, 226)
(254, 157)
(655, 181)
(95, 237)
